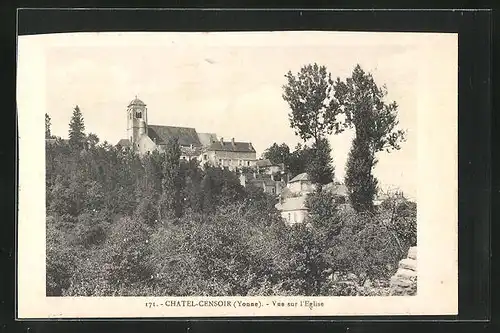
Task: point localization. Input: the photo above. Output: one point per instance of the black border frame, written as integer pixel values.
(475, 35)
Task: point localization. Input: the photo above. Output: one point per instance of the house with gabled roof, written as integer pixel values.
(265, 166)
(292, 199)
(293, 209)
(301, 184)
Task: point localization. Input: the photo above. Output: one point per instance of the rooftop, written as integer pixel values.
(161, 134)
(136, 102)
(124, 143)
(300, 177)
(336, 188)
(244, 147)
(206, 139)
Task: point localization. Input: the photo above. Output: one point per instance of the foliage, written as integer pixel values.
(315, 160)
(77, 128)
(362, 185)
(305, 272)
(119, 225)
(295, 162)
(319, 166)
(60, 257)
(375, 123)
(92, 140)
(364, 247)
(323, 212)
(364, 108)
(220, 187)
(278, 154)
(400, 216)
(309, 93)
(171, 199)
(299, 160)
(48, 134)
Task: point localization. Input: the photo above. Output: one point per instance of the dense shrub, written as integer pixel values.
(106, 234)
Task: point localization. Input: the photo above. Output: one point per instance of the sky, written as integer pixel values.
(227, 83)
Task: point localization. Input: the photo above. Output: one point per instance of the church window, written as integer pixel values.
(205, 157)
(289, 217)
(138, 115)
(248, 163)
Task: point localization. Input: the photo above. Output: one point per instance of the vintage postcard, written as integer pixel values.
(237, 174)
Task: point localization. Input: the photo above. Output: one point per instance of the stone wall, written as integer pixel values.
(404, 282)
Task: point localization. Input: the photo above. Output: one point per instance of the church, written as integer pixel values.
(143, 138)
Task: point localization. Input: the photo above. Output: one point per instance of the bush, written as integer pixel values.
(60, 258)
(105, 236)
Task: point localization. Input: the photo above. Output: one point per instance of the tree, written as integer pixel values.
(220, 187)
(306, 268)
(48, 134)
(362, 185)
(278, 153)
(310, 97)
(92, 140)
(375, 124)
(319, 167)
(171, 200)
(323, 209)
(298, 160)
(400, 216)
(76, 129)
(193, 190)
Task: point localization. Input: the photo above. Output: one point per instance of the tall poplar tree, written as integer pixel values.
(375, 124)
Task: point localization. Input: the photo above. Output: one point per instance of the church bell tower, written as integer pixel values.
(137, 120)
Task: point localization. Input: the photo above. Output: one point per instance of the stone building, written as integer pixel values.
(231, 154)
(143, 137)
(292, 199)
(267, 167)
(262, 181)
(301, 184)
(293, 209)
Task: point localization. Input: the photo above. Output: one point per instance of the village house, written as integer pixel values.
(205, 147)
(301, 184)
(230, 154)
(262, 181)
(293, 209)
(292, 199)
(267, 167)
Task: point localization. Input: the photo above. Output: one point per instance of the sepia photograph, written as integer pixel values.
(199, 167)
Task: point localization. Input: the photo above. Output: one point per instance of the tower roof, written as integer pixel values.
(136, 102)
